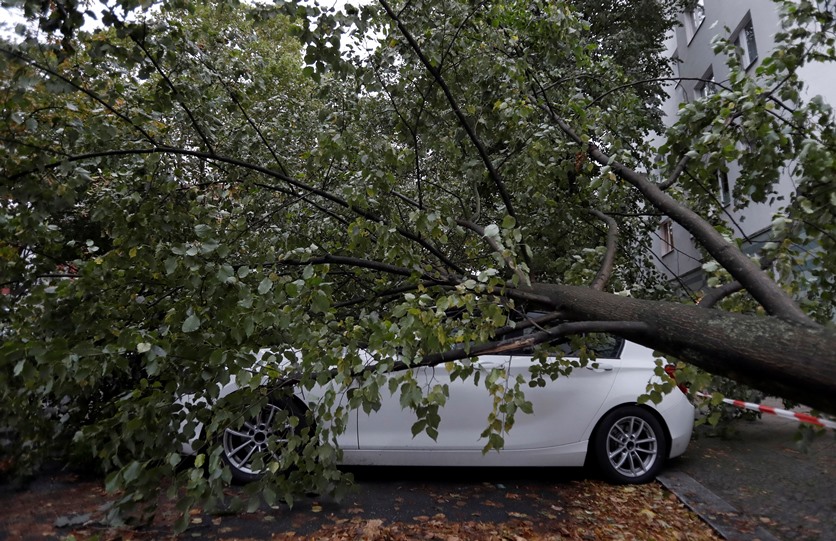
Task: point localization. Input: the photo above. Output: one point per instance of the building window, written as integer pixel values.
(705, 87)
(694, 17)
(666, 235)
(725, 187)
(679, 90)
(681, 95)
(747, 48)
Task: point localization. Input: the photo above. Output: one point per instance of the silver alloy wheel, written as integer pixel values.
(242, 445)
(632, 446)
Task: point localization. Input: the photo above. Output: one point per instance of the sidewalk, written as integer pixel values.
(762, 473)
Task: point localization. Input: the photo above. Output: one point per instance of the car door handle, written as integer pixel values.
(598, 367)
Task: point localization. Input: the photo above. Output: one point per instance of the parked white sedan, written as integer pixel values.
(592, 413)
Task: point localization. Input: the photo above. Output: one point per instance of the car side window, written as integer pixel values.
(598, 345)
(601, 345)
(604, 346)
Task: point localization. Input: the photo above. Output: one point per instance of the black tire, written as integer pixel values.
(245, 449)
(630, 446)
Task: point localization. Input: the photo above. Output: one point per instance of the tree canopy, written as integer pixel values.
(186, 185)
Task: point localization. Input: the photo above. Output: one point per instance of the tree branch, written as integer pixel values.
(654, 80)
(774, 299)
(261, 169)
(460, 27)
(468, 351)
(677, 171)
(477, 143)
(496, 247)
(141, 44)
(413, 132)
(234, 97)
(608, 262)
(351, 262)
(389, 293)
(715, 295)
(89, 93)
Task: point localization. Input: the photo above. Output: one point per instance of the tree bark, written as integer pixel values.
(781, 358)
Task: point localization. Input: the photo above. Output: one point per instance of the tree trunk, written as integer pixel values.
(788, 360)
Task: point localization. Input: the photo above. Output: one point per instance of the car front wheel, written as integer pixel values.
(630, 445)
(250, 448)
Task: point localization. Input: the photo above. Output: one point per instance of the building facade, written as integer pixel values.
(751, 25)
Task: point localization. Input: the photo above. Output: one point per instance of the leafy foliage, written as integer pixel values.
(193, 191)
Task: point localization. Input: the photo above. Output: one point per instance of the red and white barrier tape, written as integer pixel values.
(801, 417)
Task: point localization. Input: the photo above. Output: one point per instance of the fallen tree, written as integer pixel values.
(178, 192)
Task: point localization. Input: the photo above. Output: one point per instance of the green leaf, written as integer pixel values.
(265, 286)
(131, 473)
(321, 302)
(202, 230)
(191, 324)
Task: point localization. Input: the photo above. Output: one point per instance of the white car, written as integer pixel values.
(592, 413)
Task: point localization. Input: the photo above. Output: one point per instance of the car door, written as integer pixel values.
(463, 418)
(565, 408)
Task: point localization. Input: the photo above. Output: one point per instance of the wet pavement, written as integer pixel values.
(467, 504)
(756, 484)
(768, 480)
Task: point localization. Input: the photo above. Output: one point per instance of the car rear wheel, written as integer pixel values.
(249, 449)
(630, 445)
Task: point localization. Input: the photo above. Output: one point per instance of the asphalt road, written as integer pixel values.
(766, 486)
(769, 480)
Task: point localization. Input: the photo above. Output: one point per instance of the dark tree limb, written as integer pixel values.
(253, 167)
(469, 351)
(385, 294)
(608, 262)
(715, 295)
(141, 44)
(351, 262)
(459, 29)
(527, 341)
(774, 299)
(86, 91)
(655, 80)
(413, 131)
(454, 106)
(675, 174)
(779, 357)
(234, 97)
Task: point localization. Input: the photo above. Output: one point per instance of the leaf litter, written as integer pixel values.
(579, 510)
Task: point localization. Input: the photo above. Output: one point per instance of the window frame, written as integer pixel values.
(726, 195)
(746, 44)
(679, 90)
(707, 87)
(666, 237)
(695, 17)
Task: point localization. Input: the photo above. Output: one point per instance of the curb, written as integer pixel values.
(727, 521)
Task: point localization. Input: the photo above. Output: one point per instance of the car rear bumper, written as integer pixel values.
(679, 418)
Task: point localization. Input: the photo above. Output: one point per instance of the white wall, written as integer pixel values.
(693, 48)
